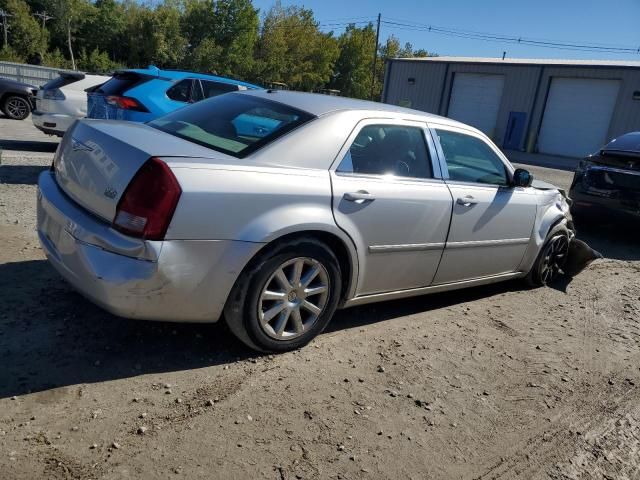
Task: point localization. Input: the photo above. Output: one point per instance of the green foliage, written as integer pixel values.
(8, 54)
(354, 65)
(25, 37)
(293, 50)
(223, 36)
(55, 59)
(96, 62)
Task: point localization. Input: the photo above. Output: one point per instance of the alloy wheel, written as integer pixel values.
(554, 258)
(17, 108)
(293, 298)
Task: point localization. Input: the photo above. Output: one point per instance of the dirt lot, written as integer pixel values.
(493, 382)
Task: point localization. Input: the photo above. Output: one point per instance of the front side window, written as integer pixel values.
(181, 91)
(388, 150)
(234, 124)
(469, 159)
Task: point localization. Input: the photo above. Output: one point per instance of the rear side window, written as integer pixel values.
(233, 124)
(388, 150)
(470, 159)
(121, 82)
(181, 91)
(213, 89)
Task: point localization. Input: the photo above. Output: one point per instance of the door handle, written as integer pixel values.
(360, 196)
(466, 201)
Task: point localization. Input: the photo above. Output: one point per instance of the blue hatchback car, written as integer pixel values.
(141, 95)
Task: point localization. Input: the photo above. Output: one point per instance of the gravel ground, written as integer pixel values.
(491, 382)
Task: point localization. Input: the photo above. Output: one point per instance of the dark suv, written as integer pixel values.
(607, 183)
(16, 98)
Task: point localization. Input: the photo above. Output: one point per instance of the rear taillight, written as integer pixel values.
(126, 103)
(147, 205)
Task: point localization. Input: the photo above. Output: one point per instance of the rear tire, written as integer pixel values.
(285, 297)
(16, 107)
(551, 260)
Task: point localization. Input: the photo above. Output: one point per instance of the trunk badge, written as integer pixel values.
(110, 192)
(77, 145)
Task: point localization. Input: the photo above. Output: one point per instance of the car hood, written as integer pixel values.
(542, 185)
(6, 83)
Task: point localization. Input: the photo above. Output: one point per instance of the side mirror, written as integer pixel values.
(522, 178)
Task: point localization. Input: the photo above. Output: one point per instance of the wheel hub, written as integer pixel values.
(293, 298)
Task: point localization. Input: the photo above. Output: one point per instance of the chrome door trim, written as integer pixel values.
(413, 292)
(488, 243)
(408, 247)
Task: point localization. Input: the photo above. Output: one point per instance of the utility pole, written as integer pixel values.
(5, 26)
(375, 58)
(44, 17)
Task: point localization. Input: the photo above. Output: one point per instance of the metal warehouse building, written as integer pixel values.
(557, 107)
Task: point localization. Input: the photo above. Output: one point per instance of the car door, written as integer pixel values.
(389, 197)
(492, 221)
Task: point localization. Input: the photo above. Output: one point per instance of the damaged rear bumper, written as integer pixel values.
(176, 280)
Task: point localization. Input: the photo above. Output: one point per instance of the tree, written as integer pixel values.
(221, 35)
(353, 69)
(25, 37)
(155, 36)
(293, 50)
(106, 29)
(70, 17)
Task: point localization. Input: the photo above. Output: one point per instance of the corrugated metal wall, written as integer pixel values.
(426, 86)
(31, 74)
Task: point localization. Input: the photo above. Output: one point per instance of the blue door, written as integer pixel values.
(515, 130)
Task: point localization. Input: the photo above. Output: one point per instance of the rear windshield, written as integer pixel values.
(234, 124)
(62, 81)
(121, 82)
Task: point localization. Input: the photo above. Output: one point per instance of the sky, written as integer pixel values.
(595, 22)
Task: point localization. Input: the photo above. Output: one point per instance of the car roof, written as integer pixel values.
(180, 74)
(627, 143)
(319, 104)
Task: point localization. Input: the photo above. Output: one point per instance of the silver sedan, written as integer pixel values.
(272, 209)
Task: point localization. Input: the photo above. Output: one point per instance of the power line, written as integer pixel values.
(406, 25)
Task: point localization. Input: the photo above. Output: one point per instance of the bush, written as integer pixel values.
(7, 54)
(96, 62)
(55, 59)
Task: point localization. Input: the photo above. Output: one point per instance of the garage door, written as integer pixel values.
(475, 100)
(577, 116)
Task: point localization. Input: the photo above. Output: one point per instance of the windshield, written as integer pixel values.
(234, 124)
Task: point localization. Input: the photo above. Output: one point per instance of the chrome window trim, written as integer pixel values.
(392, 178)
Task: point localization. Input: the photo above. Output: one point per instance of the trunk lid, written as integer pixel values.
(97, 159)
(119, 84)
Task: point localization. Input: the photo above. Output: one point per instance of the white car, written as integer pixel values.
(62, 101)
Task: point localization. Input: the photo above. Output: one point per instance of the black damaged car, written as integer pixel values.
(606, 185)
(16, 98)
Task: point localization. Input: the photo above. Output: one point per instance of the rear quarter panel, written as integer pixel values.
(253, 204)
